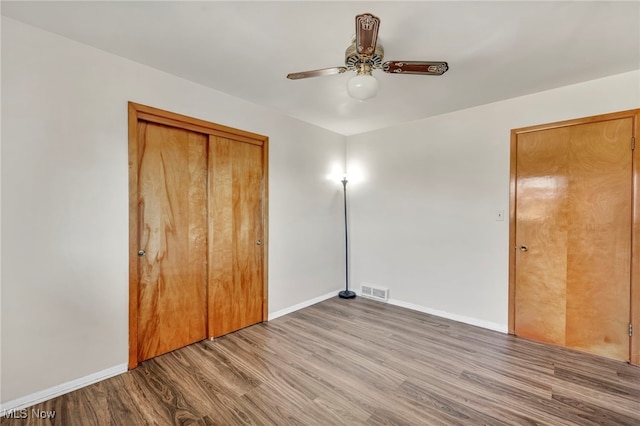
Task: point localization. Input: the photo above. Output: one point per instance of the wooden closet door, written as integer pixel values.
(198, 195)
(573, 236)
(172, 214)
(236, 285)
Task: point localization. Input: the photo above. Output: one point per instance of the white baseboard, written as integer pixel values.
(304, 304)
(454, 317)
(52, 392)
(460, 318)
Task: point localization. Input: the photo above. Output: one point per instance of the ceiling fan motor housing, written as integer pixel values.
(353, 60)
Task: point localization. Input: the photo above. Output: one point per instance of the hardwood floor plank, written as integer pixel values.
(357, 362)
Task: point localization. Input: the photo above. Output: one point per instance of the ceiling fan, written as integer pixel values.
(364, 55)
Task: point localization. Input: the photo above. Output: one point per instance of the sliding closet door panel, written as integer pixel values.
(236, 204)
(172, 210)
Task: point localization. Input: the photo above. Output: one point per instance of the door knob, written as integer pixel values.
(141, 252)
(523, 248)
(259, 242)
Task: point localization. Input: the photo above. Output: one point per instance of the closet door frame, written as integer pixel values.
(138, 112)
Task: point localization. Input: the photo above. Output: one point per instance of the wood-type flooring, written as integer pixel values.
(359, 362)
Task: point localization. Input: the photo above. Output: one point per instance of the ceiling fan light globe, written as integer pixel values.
(362, 87)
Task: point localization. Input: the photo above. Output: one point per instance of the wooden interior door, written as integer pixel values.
(236, 273)
(172, 209)
(573, 235)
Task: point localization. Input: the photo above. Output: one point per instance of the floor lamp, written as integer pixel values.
(346, 293)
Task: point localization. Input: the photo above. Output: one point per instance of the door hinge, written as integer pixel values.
(630, 329)
(633, 143)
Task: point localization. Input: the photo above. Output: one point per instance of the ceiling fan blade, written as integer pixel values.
(415, 67)
(316, 73)
(366, 34)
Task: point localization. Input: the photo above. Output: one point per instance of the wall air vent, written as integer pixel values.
(373, 292)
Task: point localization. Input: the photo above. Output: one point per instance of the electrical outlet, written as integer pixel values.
(499, 215)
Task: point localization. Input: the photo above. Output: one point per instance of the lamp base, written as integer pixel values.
(347, 294)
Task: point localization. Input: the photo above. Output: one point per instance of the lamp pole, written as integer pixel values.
(346, 293)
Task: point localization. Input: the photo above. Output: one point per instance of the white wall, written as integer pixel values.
(65, 203)
(423, 218)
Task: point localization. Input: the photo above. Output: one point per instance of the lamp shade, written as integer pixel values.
(362, 87)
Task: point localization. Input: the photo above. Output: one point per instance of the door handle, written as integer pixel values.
(259, 242)
(523, 248)
(141, 253)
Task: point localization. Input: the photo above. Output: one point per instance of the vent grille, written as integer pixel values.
(373, 292)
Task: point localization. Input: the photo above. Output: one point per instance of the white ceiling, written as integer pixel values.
(495, 50)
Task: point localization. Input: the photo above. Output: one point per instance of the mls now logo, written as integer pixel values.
(24, 414)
